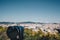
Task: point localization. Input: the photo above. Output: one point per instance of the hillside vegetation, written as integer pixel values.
(29, 34)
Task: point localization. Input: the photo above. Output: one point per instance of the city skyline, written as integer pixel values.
(47, 11)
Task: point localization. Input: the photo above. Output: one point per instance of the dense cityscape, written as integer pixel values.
(45, 27)
(43, 31)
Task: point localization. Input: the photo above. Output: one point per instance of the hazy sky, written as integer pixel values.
(30, 10)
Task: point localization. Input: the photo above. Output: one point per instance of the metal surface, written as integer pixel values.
(15, 32)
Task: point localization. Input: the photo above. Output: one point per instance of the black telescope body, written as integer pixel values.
(15, 32)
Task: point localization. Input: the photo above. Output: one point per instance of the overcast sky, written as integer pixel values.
(30, 10)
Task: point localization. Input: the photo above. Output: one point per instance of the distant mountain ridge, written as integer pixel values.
(6, 22)
(22, 23)
(19, 22)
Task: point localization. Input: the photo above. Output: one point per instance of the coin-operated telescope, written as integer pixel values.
(15, 32)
